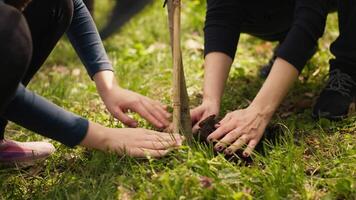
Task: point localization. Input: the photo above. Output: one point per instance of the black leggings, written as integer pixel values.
(26, 41)
(344, 47)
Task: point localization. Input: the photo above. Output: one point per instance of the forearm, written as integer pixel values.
(275, 88)
(41, 116)
(217, 67)
(85, 38)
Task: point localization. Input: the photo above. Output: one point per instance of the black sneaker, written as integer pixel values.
(337, 100)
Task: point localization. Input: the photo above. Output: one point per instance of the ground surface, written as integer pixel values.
(316, 160)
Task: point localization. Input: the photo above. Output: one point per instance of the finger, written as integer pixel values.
(121, 116)
(169, 129)
(160, 104)
(196, 115)
(144, 153)
(162, 145)
(250, 147)
(226, 119)
(163, 108)
(196, 127)
(141, 110)
(160, 136)
(236, 145)
(231, 137)
(221, 131)
(154, 110)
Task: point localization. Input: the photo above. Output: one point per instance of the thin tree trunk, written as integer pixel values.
(181, 113)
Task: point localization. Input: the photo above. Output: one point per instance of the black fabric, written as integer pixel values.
(344, 48)
(308, 26)
(14, 57)
(286, 21)
(44, 23)
(226, 20)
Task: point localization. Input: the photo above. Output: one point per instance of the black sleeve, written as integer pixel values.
(222, 27)
(308, 27)
(37, 114)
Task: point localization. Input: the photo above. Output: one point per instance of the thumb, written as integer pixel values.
(124, 118)
(195, 115)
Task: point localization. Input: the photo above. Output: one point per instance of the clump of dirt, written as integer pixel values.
(206, 127)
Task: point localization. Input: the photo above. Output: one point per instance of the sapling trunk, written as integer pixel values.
(181, 113)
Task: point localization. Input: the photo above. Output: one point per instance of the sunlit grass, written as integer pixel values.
(314, 160)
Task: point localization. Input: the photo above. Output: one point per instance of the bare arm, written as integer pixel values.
(217, 67)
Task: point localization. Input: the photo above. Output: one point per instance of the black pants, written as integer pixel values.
(344, 48)
(26, 41)
(35, 34)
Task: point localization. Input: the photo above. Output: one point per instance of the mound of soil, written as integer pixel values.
(207, 126)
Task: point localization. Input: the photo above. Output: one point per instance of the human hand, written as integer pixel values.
(205, 110)
(119, 101)
(239, 128)
(133, 142)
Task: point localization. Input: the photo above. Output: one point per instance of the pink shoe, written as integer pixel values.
(24, 153)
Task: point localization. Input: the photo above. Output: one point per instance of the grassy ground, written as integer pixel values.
(316, 160)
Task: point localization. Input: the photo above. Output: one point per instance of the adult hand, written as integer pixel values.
(240, 128)
(205, 110)
(119, 101)
(133, 142)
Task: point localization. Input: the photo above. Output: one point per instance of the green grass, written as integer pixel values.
(316, 160)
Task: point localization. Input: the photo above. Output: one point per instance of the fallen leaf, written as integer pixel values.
(194, 45)
(206, 182)
(76, 72)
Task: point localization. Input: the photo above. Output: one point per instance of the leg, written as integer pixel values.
(15, 52)
(338, 98)
(344, 48)
(47, 21)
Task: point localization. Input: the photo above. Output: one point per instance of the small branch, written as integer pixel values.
(181, 115)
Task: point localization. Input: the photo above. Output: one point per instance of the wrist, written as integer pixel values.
(265, 110)
(105, 82)
(212, 101)
(95, 137)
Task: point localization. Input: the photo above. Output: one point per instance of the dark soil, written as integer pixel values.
(207, 126)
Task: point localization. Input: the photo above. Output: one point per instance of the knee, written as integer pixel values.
(15, 40)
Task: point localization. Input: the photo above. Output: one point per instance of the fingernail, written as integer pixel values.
(219, 148)
(228, 152)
